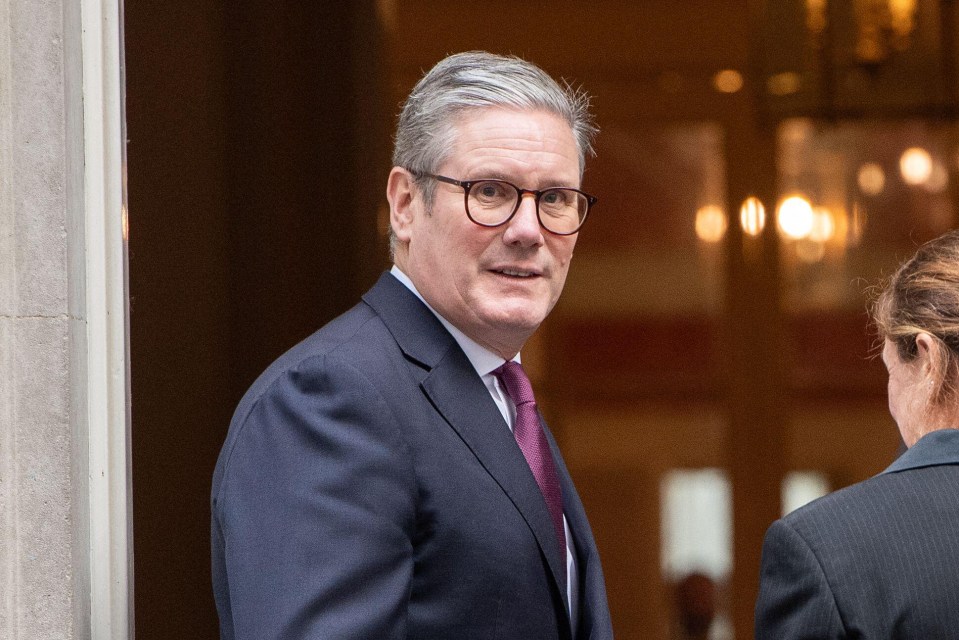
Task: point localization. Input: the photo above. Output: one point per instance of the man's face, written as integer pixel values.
(494, 284)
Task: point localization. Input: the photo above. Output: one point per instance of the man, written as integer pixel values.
(389, 477)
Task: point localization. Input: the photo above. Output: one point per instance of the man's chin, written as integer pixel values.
(517, 319)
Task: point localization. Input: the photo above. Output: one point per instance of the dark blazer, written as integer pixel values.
(879, 559)
(369, 488)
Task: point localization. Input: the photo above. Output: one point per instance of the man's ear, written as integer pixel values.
(401, 191)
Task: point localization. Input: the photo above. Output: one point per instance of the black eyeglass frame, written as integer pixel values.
(466, 185)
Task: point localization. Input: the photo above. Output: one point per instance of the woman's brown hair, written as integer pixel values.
(922, 296)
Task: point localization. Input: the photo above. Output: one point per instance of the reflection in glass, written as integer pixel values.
(871, 178)
(752, 216)
(728, 81)
(874, 191)
(710, 223)
(802, 487)
(795, 217)
(656, 256)
(697, 523)
(915, 165)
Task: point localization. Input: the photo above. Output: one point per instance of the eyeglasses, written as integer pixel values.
(491, 203)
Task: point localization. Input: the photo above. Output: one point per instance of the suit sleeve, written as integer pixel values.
(315, 512)
(795, 600)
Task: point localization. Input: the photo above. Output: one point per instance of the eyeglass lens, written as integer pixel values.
(492, 202)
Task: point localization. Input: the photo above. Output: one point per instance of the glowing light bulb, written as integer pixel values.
(728, 81)
(795, 217)
(915, 164)
(871, 179)
(752, 216)
(710, 223)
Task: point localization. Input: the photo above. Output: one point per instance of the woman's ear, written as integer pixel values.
(401, 191)
(926, 352)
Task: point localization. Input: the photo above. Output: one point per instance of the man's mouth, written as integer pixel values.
(516, 273)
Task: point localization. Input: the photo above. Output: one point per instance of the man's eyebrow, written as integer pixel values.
(490, 175)
(499, 175)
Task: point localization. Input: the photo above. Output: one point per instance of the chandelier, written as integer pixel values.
(858, 58)
(882, 27)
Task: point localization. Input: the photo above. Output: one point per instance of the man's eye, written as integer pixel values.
(552, 197)
(489, 191)
(557, 198)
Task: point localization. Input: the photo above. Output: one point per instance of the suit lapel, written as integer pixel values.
(461, 398)
(464, 402)
(594, 621)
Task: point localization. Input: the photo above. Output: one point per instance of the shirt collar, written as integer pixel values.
(482, 359)
(933, 449)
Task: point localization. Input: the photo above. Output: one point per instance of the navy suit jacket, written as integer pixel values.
(368, 488)
(879, 559)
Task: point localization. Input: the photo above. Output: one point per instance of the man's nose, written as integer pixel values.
(524, 227)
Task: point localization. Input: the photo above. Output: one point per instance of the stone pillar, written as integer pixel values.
(50, 393)
(38, 532)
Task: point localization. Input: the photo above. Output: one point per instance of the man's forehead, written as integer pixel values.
(466, 117)
(498, 142)
(509, 129)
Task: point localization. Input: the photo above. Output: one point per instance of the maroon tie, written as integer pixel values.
(532, 442)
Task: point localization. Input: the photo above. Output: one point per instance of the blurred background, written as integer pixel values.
(710, 366)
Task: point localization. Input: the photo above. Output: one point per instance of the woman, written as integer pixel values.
(880, 559)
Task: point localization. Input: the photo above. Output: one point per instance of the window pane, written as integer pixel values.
(697, 523)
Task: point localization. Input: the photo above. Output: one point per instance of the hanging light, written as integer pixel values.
(915, 165)
(871, 178)
(883, 27)
(710, 223)
(752, 216)
(795, 217)
(728, 81)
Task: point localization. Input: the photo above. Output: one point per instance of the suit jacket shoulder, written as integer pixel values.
(368, 488)
(877, 559)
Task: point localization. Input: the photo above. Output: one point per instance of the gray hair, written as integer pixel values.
(476, 80)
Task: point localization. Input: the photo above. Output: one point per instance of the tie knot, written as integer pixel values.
(513, 378)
